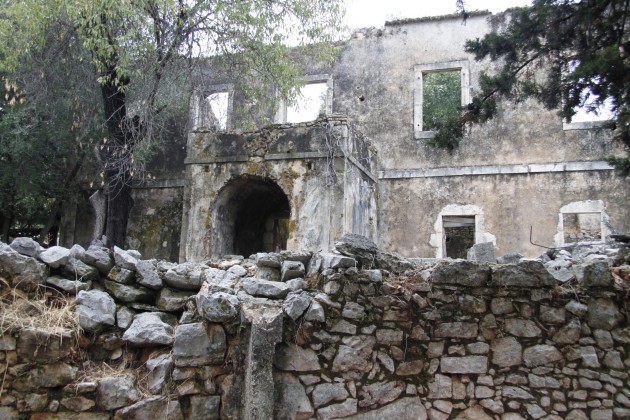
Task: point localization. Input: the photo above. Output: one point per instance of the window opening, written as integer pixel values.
(216, 110)
(442, 92)
(310, 103)
(582, 227)
(459, 235)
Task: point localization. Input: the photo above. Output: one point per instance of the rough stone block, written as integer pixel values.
(464, 365)
(463, 273)
(197, 344)
(483, 252)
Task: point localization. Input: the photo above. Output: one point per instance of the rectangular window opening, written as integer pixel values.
(459, 235)
(310, 103)
(582, 227)
(442, 97)
(216, 110)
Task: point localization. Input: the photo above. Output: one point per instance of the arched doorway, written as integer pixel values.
(251, 215)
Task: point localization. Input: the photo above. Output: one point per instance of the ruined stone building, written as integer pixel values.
(361, 164)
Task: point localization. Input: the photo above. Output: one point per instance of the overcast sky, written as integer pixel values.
(366, 13)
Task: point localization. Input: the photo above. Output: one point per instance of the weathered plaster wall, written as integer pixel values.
(323, 168)
(435, 339)
(511, 204)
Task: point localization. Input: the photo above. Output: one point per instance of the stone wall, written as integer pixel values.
(356, 333)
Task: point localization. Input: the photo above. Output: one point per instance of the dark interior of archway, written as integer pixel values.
(262, 214)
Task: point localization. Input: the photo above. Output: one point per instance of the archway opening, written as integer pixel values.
(252, 215)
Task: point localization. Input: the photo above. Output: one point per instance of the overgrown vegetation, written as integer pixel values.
(565, 54)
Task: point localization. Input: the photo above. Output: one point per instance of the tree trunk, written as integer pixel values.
(116, 156)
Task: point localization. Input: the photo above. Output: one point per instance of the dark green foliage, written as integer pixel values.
(441, 95)
(562, 53)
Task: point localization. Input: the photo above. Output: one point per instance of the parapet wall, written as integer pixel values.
(292, 335)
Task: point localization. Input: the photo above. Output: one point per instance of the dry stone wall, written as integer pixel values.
(365, 335)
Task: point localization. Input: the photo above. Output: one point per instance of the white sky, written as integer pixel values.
(366, 13)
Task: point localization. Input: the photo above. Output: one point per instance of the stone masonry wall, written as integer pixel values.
(365, 335)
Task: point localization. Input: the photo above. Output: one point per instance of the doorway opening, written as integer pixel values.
(251, 215)
(459, 235)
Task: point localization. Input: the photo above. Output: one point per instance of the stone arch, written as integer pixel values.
(251, 214)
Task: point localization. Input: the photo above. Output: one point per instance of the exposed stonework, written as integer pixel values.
(405, 344)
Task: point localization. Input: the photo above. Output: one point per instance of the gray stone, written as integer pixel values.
(596, 274)
(541, 354)
(237, 270)
(296, 255)
(69, 286)
(576, 308)
(603, 314)
(522, 328)
(353, 310)
(99, 257)
(330, 260)
(516, 393)
(386, 361)
(510, 258)
(291, 270)
(410, 368)
(25, 273)
(42, 345)
(380, 393)
(621, 335)
(327, 392)
(271, 260)
(264, 288)
(552, 315)
(353, 356)
(441, 387)
(506, 351)
(124, 317)
(205, 407)
(392, 262)
(456, 330)
(389, 336)
(151, 408)
(467, 364)
(527, 273)
(55, 256)
(290, 357)
(612, 359)
(560, 270)
(340, 410)
(7, 342)
(482, 252)
(26, 246)
(125, 259)
(589, 357)
(170, 300)
(218, 307)
(95, 310)
(129, 294)
(462, 273)
(149, 328)
(46, 376)
(344, 327)
(603, 338)
(160, 369)
(291, 400)
(358, 247)
(501, 306)
(185, 276)
(197, 344)
(77, 404)
(79, 271)
(315, 312)
(268, 273)
(148, 275)
(297, 284)
(569, 334)
(121, 275)
(115, 392)
(296, 304)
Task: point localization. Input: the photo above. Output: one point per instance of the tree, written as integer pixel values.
(137, 47)
(563, 53)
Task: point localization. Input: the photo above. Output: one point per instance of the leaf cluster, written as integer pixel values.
(563, 53)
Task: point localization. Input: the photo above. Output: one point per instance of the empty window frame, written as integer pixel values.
(440, 90)
(582, 222)
(582, 227)
(588, 114)
(213, 108)
(313, 101)
(459, 235)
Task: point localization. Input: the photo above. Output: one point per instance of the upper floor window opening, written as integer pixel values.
(440, 90)
(313, 101)
(212, 107)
